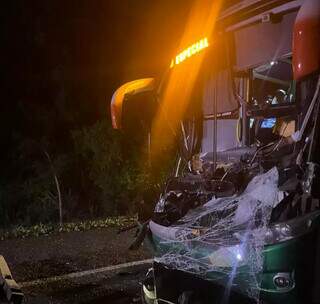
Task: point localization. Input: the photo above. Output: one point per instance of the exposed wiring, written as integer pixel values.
(190, 140)
(225, 175)
(276, 146)
(164, 301)
(185, 139)
(279, 142)
(258, 150)
(178, 167)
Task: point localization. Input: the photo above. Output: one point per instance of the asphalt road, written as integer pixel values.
(116, 287)
(55, 255)
(47, 256)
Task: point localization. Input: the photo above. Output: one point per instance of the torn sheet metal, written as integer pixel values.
(223, 240)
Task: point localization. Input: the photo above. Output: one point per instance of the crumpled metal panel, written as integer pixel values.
(223, 240)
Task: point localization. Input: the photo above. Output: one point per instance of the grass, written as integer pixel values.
(22, 232)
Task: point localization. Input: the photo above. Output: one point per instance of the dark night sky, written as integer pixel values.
(96, 45)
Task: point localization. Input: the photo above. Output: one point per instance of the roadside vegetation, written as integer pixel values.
(58, 172)
(48, 229)
(82, 174)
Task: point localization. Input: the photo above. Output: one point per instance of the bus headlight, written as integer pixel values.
(293, 228)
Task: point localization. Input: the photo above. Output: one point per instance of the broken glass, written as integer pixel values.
(223, 240)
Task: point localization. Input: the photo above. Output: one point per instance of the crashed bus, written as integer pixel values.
(239, 219)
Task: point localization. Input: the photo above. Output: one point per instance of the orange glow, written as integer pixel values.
(176, 95)
(190, 51)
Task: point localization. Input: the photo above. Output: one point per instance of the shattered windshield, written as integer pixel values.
(224, 239)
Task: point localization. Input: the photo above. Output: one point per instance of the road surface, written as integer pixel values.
(120, 286)
(35, 259)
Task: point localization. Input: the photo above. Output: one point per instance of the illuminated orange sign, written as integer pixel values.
(190, 51)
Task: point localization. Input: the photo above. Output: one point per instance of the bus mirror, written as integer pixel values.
(133, 102)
